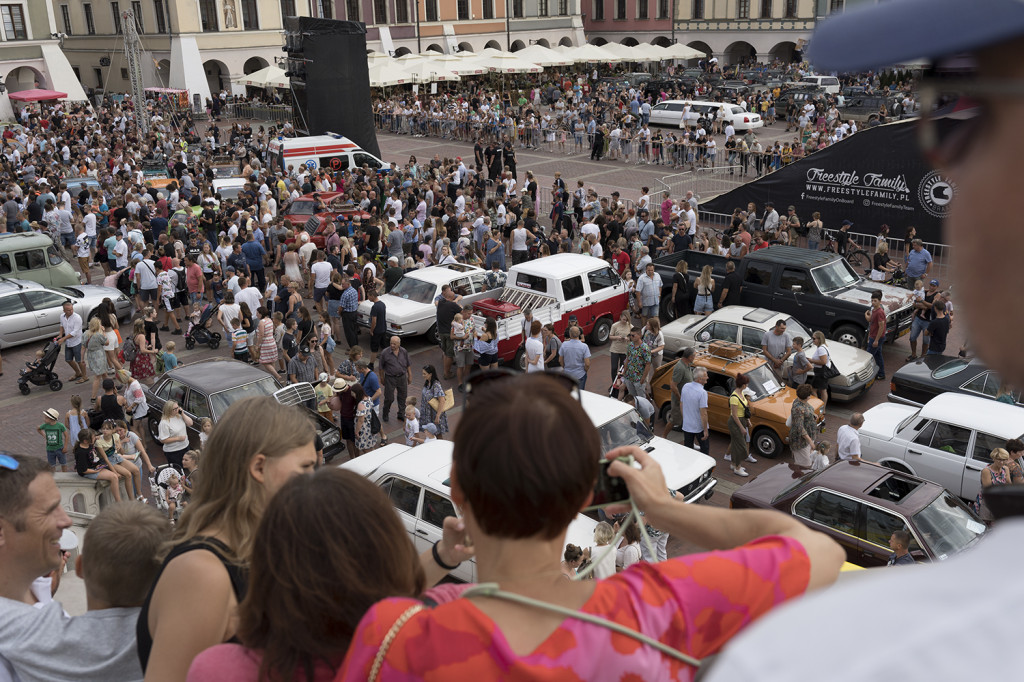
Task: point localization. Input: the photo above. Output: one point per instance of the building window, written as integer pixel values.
(208, 15)
(287, 8)
(137, 10)
(326, 10)
(790, 9)
(642, 9)
(488, 9)
(65, 14)
(563, 8)
(116, 11)
(99, 75)
(463, 10)
(250, 18)
(431, 10)
(698, 9)
(663, 9)
(620, 9)
(517, 9)
(598, 10)
(124, 74)
(743, 9)
(401, 11)
(161, 16)
(14, 22)
(542, 8)
(380, 12)
(352, 9)
(90, 25)
(766, 9)
(78, 74)
(835, 6)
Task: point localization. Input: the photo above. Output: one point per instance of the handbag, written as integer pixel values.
(828, 372)
(449, 402)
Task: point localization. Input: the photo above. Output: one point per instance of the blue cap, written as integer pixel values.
(901, 30)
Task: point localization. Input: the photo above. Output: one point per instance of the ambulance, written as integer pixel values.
(329, 151)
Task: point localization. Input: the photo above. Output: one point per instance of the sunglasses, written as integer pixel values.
(488, 377)
(9, 463)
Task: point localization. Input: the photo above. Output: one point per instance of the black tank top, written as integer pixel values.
(110, 408)
(237, 574)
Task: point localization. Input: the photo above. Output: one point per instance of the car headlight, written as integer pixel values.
(851, 379)
(330, 438)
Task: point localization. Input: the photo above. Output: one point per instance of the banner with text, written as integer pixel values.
(876, 176)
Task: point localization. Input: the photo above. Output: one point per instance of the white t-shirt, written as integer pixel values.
(847, 442)
(534, 348)
(820, 352)
(321, 274)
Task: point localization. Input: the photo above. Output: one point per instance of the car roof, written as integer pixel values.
(973, 412)
(324, 196)
(792, 255)
(11, 284)
(23, 239)
(427, 463)
(216, 374)
(560, 265)
(860, 478)
(442, 274)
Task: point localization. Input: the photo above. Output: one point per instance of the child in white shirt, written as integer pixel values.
(412, 424)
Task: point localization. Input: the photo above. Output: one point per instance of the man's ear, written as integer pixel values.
(79, 566)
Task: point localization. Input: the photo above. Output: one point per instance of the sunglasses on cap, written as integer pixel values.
(488, 377)
(9, 463)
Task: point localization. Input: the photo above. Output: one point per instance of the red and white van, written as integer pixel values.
(553, 289)
(331, 151)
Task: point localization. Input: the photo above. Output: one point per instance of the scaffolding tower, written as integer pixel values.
(133, 56)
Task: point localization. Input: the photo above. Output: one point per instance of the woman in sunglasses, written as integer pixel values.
(543, 455)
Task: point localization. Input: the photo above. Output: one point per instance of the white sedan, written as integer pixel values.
(746, 326)
(948, 441)
(409, 306)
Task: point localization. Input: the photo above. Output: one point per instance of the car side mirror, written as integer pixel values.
(797, 289)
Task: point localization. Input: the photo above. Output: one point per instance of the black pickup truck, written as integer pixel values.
(819, 289)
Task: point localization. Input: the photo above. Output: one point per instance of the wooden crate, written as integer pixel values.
(725, 349)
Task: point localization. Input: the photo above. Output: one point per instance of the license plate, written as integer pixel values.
(903, 332)
(870, 383)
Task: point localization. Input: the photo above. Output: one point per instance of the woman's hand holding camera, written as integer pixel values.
(647, 487)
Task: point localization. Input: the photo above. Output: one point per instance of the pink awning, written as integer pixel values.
(36, 95)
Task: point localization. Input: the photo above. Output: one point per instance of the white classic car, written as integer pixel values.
(948, 441)
(409, 306)
(746, 326)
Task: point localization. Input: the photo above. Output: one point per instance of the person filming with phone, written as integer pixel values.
(524, 616)
(172, 432)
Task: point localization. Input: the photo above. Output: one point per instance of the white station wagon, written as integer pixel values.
(948, 441)
(410, 309)
(745, 326)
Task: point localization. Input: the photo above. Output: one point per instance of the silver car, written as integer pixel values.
(31, 312)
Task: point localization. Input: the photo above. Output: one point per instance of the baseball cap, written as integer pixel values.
(900, 30)
(304, 350)
(934, 282)
(323, 377)
(847, 222)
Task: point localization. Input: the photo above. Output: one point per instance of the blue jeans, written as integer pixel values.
(876, 353)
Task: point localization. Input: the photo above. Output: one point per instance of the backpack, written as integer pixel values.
(180, 286)
(129, 350)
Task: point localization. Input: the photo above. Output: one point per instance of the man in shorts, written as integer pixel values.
(71, 337)
(682, 374)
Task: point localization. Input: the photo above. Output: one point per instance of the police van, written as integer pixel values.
(329, 151)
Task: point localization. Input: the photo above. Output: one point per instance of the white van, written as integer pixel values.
(829, 84)
(331, 150)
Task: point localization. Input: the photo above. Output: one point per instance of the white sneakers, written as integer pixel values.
(751, 459)
(740, 471)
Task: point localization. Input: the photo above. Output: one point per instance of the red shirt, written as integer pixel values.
(621, 262)
(877, 321)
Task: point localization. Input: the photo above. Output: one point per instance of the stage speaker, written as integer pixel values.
(330, 79)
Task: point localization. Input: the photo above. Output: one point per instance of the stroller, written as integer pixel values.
(199, 331)
(41, 371)
(158, 484)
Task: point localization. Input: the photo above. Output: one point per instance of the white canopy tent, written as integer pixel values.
(679, 51)
(504, 62)
(634, 53)
(268, 77)
(427, 71)
(589, 54)
(544, 56)
(384, 74)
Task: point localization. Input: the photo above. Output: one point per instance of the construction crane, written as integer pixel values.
(133, 56)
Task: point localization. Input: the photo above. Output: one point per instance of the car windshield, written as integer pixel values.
(220, 402)
(301, 208)
(627, 429)
(230, 192)
(947, 527)
(950, 368)
(835, 275)
(763, 382)
(794, 329)
(414, 290)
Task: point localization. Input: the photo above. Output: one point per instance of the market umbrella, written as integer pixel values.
(679, 51)
(587, 54)
(429, 72)
(268, 77)
(504, 62)
(386, 74)
(545, 56)
(634, 53)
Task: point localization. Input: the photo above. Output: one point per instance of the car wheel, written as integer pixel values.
(601, 331)
(766, 443)
(664, 412)
(667, 311)
(896, 466)
(519, 362)
(432, 336)
(56, 385)
(154, 428)
(849, 334)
